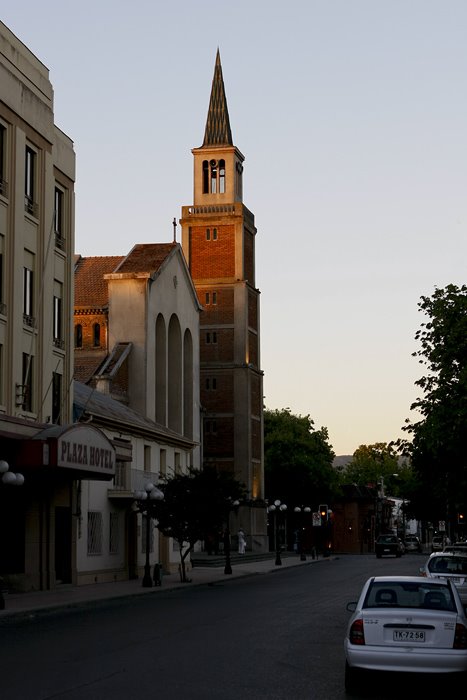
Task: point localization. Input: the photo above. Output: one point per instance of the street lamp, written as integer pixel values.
(10, 478)
(301, 545)
(276, 508)
(146, 501)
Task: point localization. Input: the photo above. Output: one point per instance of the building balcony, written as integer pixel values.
(128, 480)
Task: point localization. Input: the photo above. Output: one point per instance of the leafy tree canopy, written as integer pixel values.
(195, 505)
(376, 464)
(438, 448)
(297, 459)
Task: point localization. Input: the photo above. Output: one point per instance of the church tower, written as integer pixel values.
(218, 240)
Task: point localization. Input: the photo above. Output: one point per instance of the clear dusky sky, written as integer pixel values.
(352, 116)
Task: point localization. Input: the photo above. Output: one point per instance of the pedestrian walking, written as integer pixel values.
(241, 541)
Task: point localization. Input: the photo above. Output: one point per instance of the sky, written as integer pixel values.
(352, 117)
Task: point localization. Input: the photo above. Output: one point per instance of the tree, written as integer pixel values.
(297, 459)
(438, 448)
(194, 505)
(377, 463)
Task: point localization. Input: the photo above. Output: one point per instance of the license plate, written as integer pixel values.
(409, 636)
(387, 550)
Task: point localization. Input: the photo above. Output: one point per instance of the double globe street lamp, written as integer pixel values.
(146, 502)
(301, 538)
(10, 478)
(276, 509)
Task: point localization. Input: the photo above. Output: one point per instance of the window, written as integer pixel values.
(3, 150)
(114, 532)
(57, 314)
(211, 384)
(214, 298)
(214, 234)
(163, 462)
(210, 427)
(147, 458)
(208, 234)
(59, 197)
(222, 176)
(213, 165)
(1, 374)
(30, 182)
(211, 337)
(94, 533)
(56, 397)
(178, 468)
(205, 177)
(96, 335)
(78, 335)
(27, 398)
(207, 298)
(28, 293)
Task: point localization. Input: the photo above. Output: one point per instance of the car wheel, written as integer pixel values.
(351, 679)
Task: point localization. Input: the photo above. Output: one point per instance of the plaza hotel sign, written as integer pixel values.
(82, 450)
(86, 449)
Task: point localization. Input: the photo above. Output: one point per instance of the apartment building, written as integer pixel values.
(42, 456)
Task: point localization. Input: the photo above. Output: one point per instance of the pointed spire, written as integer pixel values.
(218, 131)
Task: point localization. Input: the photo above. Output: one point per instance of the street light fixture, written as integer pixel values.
(301, 544)
(10, 478)
(276, 508)
(146, 501)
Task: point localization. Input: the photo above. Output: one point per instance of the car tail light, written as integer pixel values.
(460, 637)
(356, 634)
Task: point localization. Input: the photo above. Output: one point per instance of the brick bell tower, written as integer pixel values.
(218, 240)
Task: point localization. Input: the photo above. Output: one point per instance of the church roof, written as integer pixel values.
(217, 131)
(91, 289)
(145, 257)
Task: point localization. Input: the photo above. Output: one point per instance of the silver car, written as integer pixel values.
(452, 566)
(405, 623)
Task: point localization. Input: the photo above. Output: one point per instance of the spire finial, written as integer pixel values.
(217, 132)
(174, 223)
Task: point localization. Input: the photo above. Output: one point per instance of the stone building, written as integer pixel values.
(218, 239)
(37, 173)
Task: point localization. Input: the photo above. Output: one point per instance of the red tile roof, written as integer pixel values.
(91, 289)
(145, 257)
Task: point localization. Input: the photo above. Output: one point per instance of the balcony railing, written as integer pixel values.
(128, 480)
(30, 206)
(3, 187)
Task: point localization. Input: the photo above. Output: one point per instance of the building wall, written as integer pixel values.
(32, 236)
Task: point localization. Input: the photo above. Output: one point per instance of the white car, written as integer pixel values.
(448, 565)
(405, 624)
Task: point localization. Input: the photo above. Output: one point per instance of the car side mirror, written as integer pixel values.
(351, 607)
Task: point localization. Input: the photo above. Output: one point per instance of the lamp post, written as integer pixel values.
(9, 479)
(276, 508)
(302, 510)
(228, 565)
(146, 502)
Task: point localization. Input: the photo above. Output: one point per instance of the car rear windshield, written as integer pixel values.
(448, 565)
(403, 594)
(387, 539)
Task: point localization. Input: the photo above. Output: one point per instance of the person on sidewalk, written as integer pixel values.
(241, 541)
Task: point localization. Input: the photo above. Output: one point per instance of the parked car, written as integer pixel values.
(388, 545)
(448, 566)
(460, 547)
(412, 544)
(438, 543)
(405, 624)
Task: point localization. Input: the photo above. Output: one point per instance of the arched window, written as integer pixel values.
(78, 335)
(96, 335)
(213, 165)
(205, 177)
(222, 176)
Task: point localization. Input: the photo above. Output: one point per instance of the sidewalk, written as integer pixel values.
(29, 605)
